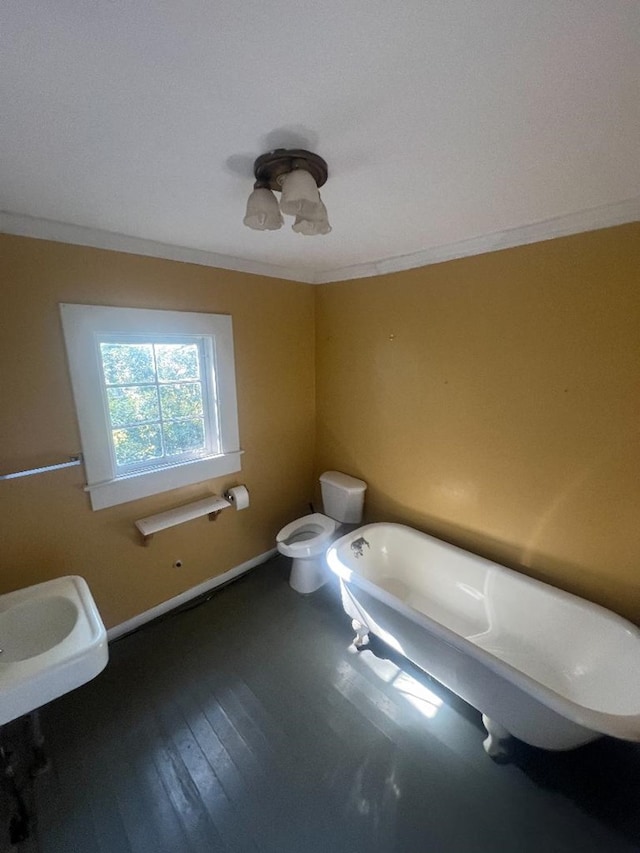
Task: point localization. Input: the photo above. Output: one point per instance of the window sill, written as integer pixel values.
(142, 485)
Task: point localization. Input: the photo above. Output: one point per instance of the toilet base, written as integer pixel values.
(308, 575)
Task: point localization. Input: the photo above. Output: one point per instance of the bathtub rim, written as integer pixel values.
(625, 726)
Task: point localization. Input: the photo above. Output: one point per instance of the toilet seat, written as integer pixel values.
(307, 536)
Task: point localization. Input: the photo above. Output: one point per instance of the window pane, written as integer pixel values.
(134, 403)
(177, 361)
(128, 364)
(182, 436)
(138, 443)
(182, 400)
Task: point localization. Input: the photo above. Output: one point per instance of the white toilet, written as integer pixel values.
(307, 539)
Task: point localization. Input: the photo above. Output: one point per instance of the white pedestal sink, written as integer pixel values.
(52, 640)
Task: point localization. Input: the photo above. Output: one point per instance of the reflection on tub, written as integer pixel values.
(539, 663)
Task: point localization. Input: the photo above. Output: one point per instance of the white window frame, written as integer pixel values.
(83, 326)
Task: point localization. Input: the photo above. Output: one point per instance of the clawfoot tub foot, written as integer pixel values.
(361, 639)
(496, 744)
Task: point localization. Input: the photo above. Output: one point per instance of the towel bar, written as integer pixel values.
(73, 460)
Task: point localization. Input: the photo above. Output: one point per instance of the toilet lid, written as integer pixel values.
(315, 526)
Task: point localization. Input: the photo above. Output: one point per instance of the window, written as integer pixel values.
(155, 397)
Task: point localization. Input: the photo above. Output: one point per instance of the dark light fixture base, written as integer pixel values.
(270, 168)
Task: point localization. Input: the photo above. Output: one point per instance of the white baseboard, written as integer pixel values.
(194, 592)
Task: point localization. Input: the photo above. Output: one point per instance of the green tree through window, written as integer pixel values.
(155, 400)
(155, 395)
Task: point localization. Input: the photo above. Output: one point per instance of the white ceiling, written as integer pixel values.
(445, 123)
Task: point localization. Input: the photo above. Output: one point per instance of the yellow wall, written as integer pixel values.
(47, 525)
(495, 401)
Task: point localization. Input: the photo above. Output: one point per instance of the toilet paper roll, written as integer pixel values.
(238, 497)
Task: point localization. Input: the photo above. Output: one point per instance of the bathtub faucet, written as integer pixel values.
(357, 546)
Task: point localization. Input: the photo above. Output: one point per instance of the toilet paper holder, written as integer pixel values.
(238, 496)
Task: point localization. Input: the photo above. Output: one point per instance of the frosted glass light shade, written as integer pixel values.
(263, 213)
(300, 196)
(317, 224)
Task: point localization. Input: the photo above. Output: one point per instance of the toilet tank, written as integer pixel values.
(342, 496)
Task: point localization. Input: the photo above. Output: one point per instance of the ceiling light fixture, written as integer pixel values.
(296, 174)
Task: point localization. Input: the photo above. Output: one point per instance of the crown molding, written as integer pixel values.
(79, 235)
(605, 216)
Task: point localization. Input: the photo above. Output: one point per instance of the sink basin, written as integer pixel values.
(52, 641)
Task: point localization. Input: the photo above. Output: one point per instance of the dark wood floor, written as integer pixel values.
(244, 724)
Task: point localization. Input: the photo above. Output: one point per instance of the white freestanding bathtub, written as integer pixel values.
(546, 666)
